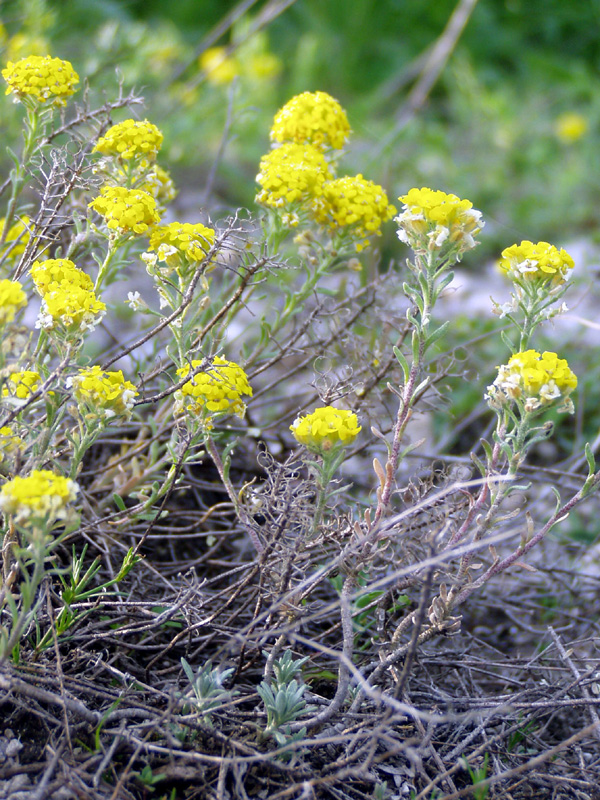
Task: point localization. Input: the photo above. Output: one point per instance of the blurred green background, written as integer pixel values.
(511, 121)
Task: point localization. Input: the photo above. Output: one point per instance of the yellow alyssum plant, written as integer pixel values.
(432, 221)
(42, 78)
(535, 381)
(9, 442)
(42, 496)
(314, 118)
(540, 275)
(158, 183)
(126, 210)
(181, 242)
(326, 428)
(56, 274)
(570, 127)
(102, 394)
(16, 238)
(218, 389)
(291, 174)
(219, 67)
(21, 384)
(131, 139)
(71, 308)
(539, 264)
(12, 298)
(354, 206)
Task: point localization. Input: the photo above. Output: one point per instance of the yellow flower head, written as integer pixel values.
(19, 233)
(355, 204)
(41, 77)
(131, 139)
(59, 273)
(71, 307)
(41, 496)
(21, 384)
(570, 127)
(182, 241)
(9, 442)
(103, 394)
(126, 210)
(537, 263)
(219, 67)
(263, 66)
(292, 173)
(12, 298)
(219, 389)
(535, 380)
(431, 220)
(326, 428)
(159, 184)
(313, 118)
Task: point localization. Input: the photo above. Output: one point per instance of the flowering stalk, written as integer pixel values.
(525, 387)
(325, 432)
(32, 506)
(222, 466)
(439, 228)
(40, 83)
(540, 275)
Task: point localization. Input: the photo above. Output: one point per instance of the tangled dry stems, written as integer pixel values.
(514, 695)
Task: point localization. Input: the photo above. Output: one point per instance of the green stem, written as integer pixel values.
(324, 476)
(240, 512)
(32, 126)
(105, 267)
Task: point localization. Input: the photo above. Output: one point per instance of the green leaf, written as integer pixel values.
(119, 502)
(507, 342)
(188, 671)
(437, 334)
(403, 363)
(366, 599)
(591, 460)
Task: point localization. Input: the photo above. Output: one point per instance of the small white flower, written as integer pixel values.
(134, 301)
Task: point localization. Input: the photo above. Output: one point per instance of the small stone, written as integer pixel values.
(13, 748)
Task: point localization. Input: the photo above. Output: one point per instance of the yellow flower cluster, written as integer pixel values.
(539, 263)
(74, 308)
(432, 219)
(12, 298)
(22, 384)
(9, 441)
(68, 296)
(41, 496)
(59, 273)
(219, 389)
(131, 139)
(126, 210)
(570, 127)
(354, 204)
(220, 68)
(159, 184)
(19, 233)
(313, 118)
(535, 380)
(182, 240)
(41, 77)
(292, 173)
(326, 428)
(103, 394)
(263, 66)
